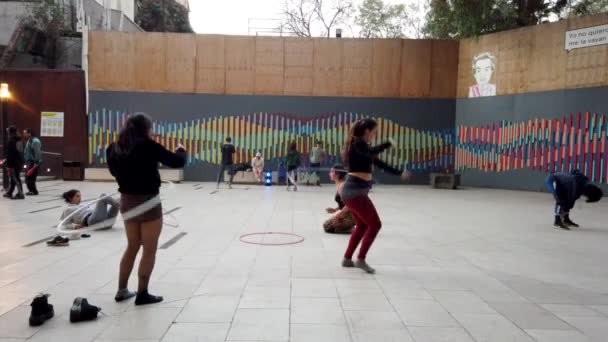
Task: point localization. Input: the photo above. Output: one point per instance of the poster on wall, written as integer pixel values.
(586, 37)
(484, 66)
(51, 124)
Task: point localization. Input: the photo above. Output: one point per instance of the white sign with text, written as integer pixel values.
(587, 37)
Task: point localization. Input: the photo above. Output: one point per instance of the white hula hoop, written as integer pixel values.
(138, 210)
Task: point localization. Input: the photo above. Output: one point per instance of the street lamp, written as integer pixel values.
(5, 94)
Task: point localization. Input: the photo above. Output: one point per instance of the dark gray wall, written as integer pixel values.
(517, 108)
(427, 114)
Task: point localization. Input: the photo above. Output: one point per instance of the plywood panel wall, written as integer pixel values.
(240, 65)
(269, 66)
(512, 66)
(386, 68)
(119, 61)
(210, 65)
(327, 67)
(357, 67)
(298, 66)
(548, 58)
(444, 68)
(416, 68)
(150, 65)
(97, 78)
(181, 62)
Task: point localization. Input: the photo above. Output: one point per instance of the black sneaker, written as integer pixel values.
(7, 195)
(82, 311)
(144, 298)
(18, 197)
(42, 311)
(58, 241)
(31, 193)
(558, 223)
(569, 222)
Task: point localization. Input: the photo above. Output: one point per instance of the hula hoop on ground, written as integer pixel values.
(299, 239)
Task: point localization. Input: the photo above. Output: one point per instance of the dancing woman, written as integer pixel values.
(133, 161)
(359, 157)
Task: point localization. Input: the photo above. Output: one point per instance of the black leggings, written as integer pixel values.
(15, 181)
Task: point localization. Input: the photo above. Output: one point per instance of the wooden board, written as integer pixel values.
(587, 67)
(327, 67)
(269, 66)
(298, 66)
(150, 61)
(415, 68)
(97, 79)
(119, 61)
(386, 68)
(240, 65)
(444, 68)
(181, 62)
(548, 58)
(357, 67)
(513, 61)
(210, 64)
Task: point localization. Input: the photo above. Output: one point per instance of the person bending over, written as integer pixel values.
(342, 222)
(567, 188)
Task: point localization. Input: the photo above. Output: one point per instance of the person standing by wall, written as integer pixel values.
(33, 159)
(316, 157)
(14, 163)
(228, 151)
(293, 161)
(257, 164)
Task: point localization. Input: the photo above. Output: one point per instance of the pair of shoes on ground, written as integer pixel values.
(564, 224)
(42, 311)
(359, 264)
(141, 298)
(59, 241)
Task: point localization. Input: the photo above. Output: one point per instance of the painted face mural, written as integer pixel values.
(483, 69)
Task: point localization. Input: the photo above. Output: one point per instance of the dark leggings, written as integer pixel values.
(367, 225)
(15, 181)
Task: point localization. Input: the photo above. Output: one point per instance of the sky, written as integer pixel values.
(233, 16)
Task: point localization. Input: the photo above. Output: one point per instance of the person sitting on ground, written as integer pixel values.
(567, 188)
(257, 164)
(342, 222)
(105, 209)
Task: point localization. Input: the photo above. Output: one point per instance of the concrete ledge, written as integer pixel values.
(445, 180)
(103, 175)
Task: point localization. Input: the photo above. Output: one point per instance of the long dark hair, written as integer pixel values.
(136, 129)
(293, 146)
(340, 171)
(356, 133)
(11, 131)
(68, 195)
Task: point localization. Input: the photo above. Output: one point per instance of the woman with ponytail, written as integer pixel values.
(133, 160)
(359, 158)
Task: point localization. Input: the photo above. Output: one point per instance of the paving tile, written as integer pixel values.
(209, 309)
(317, 311)
(492, 327)
(260, 324)
(319, 333)
(436, 334)
(530, 316)
(557, 335)
(196, 332)
(424, 313)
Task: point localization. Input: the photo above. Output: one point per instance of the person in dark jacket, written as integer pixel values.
(228, 151)
(293, 160)
(567, 188)
(33, 159)
(133, 160)
(14, 163)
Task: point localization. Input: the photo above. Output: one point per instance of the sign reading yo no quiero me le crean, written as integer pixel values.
(587, 37)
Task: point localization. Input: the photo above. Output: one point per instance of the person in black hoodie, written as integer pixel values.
(133, 160)
(227, 162)
(14, 163)
(567, 188)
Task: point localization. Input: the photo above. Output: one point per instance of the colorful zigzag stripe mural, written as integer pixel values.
(270, 134)
(546, 145)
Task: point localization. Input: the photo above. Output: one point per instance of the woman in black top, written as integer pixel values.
(133, 161)
(360, 157)
(342, 222)
(14, 163)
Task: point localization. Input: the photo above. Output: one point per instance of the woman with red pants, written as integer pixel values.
(359, 157)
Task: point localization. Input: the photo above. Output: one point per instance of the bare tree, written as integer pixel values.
(305, 18)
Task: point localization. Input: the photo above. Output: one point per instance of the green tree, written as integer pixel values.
(379, 20)
(469, 18)
(162, 16)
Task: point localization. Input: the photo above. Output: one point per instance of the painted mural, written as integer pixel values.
(269, 134)
(484, 67)
(559, 145)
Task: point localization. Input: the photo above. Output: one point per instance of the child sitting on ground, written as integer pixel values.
(567, 188)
